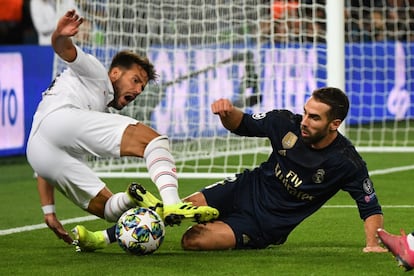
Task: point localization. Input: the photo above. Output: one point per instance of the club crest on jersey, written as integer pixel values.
(289, 140)
(319, 176)
(367, 186)
(258, 116)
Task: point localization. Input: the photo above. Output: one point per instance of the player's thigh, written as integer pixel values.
(45, 158)
(78, 182)
(69, 175)
(215, 235)
(86, 132)
(223, 195)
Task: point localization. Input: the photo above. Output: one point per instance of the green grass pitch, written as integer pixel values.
(328, 243)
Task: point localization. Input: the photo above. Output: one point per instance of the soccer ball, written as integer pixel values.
(140, 231)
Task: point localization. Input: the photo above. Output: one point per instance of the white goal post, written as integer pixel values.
(263, 55)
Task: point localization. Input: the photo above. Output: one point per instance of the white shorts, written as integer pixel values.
(58, 148)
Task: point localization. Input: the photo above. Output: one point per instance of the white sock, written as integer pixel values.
(410, 241)
(116, 206)
(161, 167)
(105, 234)
(169, 195)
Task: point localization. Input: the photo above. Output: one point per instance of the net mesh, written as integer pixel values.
(262, 55)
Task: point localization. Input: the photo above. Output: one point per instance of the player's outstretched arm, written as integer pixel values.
(230, 116)
(371, 225)
(46, 194)
(67, 26)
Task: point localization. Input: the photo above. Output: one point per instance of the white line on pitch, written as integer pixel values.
(383, 206)
(392, 170)
(43, 225)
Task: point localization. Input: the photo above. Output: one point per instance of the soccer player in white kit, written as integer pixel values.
(72, 121)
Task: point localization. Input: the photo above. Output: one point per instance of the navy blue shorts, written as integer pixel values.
(233, 198)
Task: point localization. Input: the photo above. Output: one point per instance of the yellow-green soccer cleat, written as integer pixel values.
(86, 240)
(144, 198)
(174, 214)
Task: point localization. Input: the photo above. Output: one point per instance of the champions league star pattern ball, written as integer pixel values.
(140, 231)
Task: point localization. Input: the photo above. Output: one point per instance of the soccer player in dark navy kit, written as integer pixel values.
(310, 162)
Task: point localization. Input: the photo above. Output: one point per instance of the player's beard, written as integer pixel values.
(314, 138)
(114, 103)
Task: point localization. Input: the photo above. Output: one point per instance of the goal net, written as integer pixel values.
(262, 55)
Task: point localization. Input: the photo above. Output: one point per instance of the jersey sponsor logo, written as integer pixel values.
(319, 176)
(289, 140)
(367, 186)
(292, 182)
(258, 116)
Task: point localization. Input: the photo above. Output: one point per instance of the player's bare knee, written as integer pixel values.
(192, 238)
(197, 199)
(136, 139)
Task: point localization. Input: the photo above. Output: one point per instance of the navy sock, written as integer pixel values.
(111, 233)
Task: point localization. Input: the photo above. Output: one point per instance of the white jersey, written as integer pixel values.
(85, 84)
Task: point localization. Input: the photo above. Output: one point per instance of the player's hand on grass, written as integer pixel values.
(54, 224)
(375, 249)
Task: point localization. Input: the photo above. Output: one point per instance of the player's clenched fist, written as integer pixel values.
(230, 116)
(222, 107)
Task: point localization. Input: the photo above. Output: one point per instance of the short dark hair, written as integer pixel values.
(126, 59)
(336, 99)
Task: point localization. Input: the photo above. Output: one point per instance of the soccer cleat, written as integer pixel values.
(86, 240)
(174, 214)
(143, 198)
(398, 246)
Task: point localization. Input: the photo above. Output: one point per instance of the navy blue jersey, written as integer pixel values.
(297, 180)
